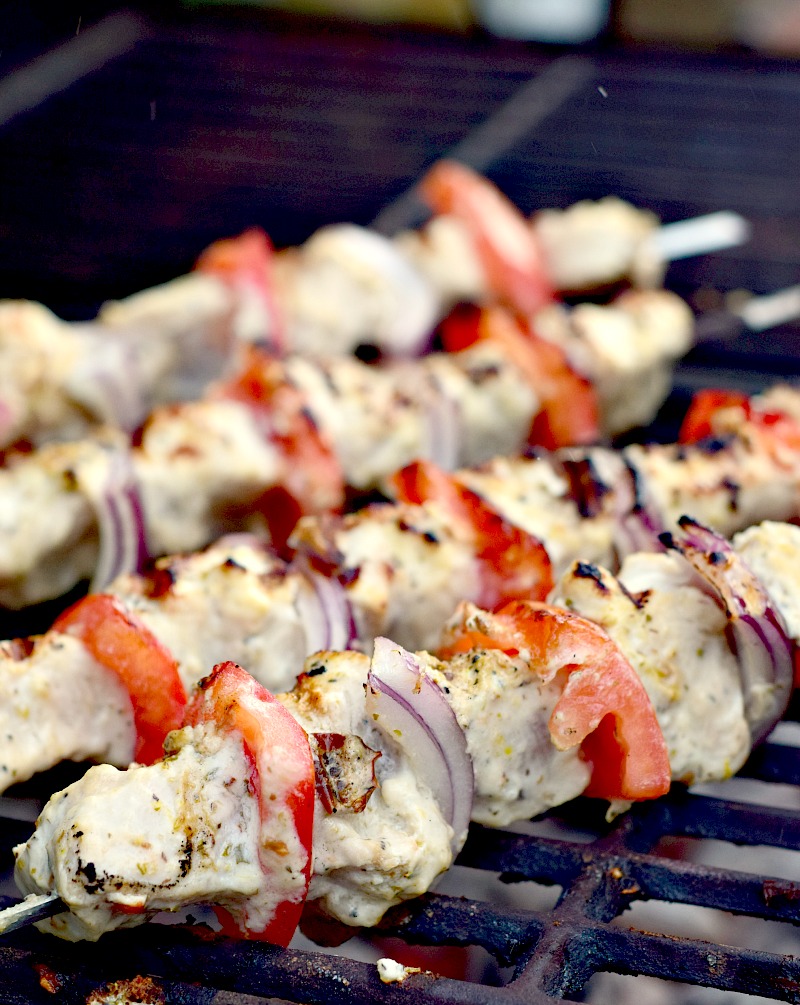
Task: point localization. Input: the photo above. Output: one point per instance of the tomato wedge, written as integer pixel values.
(512, 562)
(122, 643)
(569, 411)
(247, 261)
(777, 432)
(313, 479)
(698, 422)
(505, 242)
(604, 706)
(282, 778)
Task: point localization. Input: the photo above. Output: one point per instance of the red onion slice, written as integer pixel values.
(325, 612)
(638, 523)
(120, 520)
(413, 710)
(758, 635)
(443, 419)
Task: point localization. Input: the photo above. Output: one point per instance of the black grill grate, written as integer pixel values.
(207, 125)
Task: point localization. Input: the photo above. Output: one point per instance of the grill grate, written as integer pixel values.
(208, 125)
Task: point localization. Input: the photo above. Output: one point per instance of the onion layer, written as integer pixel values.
(114, 494)
(413, 710)
(638, 523)
(325, 612)
(757, 633)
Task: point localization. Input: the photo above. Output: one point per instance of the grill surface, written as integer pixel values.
(199, 127)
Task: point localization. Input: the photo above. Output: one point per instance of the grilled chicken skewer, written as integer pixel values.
(397, 570)
(382, 831)
(390, 569)
(402, 569)
(405, 571)
(732, 642)
(297, 425)
(347, 286)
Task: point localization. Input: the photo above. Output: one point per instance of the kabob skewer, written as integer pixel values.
(282, 429)
(347, 286)
(507, 531)
(501, 765)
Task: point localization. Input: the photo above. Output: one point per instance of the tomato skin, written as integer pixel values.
(122, 643)
(698, 422)
(569, 411)
(777, 433)
(506, 244)
(603, 706)
(461, 328)
(247, 260)
(512, 562)
(234, 702)
(313, 478)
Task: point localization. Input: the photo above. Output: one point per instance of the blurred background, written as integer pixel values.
(133, 136)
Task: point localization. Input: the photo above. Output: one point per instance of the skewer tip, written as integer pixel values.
(35, 907)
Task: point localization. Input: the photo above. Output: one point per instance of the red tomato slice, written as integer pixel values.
(282, 778)
(512, 562)
(778, 433)
(603, 706)
(698, 422)
(313, 479)
(461, 328)
(569, 412)
(123, 644)
(247, 261)
(504, 241)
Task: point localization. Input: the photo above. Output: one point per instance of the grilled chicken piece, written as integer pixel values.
(58, 703)
(119, 846)
(675, 636)
(393, 849)
(60, 379)
(348, 286)
(459, 408)
(404, 569)
(236, 599)
(504, 710)
(626, 348)
(593, 245)
(192, 462)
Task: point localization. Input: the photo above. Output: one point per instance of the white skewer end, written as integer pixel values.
(35, 907)
(701, 235)
(770, 310)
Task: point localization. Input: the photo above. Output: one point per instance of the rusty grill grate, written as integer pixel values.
(199, 126)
